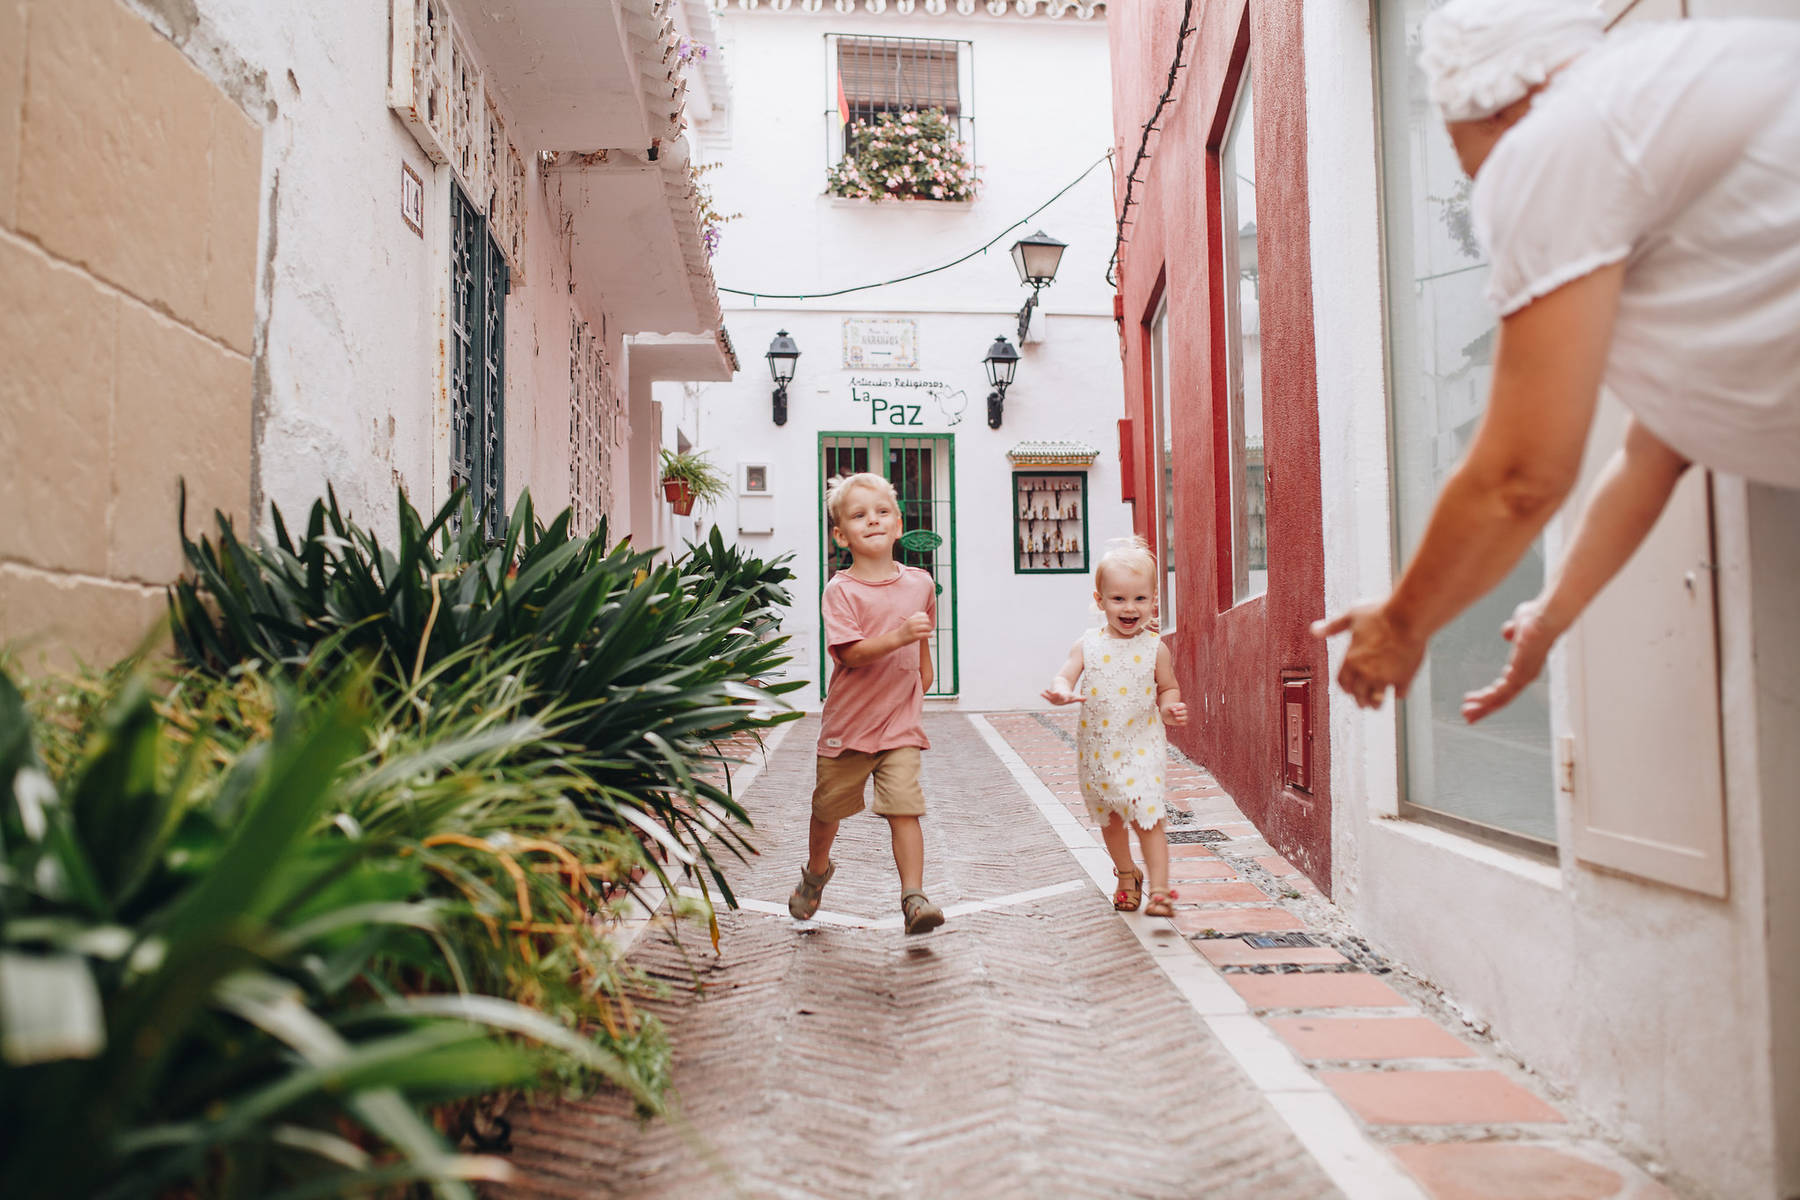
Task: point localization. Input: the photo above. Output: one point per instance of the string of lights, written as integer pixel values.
(1143, 152)
(955, 262)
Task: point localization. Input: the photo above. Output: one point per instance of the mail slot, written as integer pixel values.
(1297, 734)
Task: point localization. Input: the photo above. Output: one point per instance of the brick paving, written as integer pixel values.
(1463, 1122)
(1028, 1050)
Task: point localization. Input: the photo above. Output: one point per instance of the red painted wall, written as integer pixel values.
(1230, 659)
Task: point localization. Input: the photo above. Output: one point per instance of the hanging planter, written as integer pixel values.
(680, 495)
(688, 479)
(910, 155)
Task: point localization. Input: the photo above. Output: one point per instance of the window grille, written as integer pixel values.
(592, 421)
(875, 75)
(478, 285)
(438, 88)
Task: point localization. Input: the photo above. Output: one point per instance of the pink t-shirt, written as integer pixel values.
(881, 705)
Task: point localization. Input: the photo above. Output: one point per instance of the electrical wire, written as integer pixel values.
(955, 262)
(1143, 152)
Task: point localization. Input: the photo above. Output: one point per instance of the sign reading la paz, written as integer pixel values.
(912, 403)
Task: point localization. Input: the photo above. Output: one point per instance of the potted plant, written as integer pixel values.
(690, 477)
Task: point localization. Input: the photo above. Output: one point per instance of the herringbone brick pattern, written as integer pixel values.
(1031, 1050)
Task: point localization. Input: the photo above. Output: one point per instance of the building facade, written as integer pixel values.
(1597, 876)
(1009, 518)
(394, 247)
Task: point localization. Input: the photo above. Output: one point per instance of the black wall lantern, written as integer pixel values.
(783, 354)
(1002, 362)
(1037, 258)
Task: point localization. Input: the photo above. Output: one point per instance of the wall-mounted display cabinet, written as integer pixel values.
(1050, 531)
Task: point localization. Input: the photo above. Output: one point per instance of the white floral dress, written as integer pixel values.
(1120, 742)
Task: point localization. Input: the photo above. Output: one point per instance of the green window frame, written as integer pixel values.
(479, 281)
(1050, 523)
(922, 468)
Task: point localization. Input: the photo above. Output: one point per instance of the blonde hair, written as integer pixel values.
(838, 489)
(1122, 553)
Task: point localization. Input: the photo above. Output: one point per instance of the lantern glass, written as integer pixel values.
(1037, 258)
(1002, 361)
(783, 354)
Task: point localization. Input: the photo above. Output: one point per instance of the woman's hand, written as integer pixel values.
(1382, 653)
(1532, 631)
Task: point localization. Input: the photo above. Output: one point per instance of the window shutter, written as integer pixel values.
(1647, 778)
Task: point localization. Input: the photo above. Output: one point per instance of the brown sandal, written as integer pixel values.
(805, 900)
(1131, 889)
(1159, 905)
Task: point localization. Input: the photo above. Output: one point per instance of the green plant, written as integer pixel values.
(741, 573)
(649, 664)
(909, 155)
(708, 483)
(199, 952)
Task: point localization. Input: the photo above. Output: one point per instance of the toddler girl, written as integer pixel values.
(1122, 675)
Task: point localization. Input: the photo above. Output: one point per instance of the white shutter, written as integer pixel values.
(1647, 777)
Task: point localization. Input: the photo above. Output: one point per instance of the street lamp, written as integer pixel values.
(1037, 258)
(1001, 362)
(783, 354)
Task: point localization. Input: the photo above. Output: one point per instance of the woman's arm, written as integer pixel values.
(1524, 460)
(1629, 497)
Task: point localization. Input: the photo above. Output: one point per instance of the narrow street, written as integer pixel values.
(1040, 1044)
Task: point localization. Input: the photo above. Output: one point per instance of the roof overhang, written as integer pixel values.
(637, 242)
(581, 74)
(1052, 454)
(688, 357)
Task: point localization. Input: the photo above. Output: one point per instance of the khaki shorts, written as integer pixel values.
(839, 792)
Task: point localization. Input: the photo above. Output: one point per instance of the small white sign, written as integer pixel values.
(412, 199)
(881, 343)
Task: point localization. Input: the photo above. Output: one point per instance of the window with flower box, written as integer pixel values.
(898, 118)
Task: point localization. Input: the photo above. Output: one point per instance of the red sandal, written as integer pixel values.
(1160, 905)
(1131, 889)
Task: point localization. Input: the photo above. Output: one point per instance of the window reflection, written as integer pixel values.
(1243, 349)
(1441, 346)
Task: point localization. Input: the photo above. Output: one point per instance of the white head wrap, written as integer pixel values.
(1481, 55)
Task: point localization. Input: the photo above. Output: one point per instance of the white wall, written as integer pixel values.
(1651, 1007)
(1042, 112)
(351, 324)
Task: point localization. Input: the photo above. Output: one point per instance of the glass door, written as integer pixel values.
(922, 470)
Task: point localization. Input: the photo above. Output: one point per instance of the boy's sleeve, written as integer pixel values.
(843, 626)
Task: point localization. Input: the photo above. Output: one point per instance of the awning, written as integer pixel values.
(1052, 454)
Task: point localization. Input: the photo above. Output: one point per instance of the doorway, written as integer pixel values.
(922, 469)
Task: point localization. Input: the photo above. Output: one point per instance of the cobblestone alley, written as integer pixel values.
(1040, 1045)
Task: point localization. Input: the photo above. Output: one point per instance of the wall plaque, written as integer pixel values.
(881, 343)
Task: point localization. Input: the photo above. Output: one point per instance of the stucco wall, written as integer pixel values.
(1231, 655)
(1651, 1007)
(1032, 140)
(128, 235)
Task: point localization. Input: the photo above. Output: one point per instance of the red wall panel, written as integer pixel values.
(1231, 658)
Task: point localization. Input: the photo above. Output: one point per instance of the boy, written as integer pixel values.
(874, 711)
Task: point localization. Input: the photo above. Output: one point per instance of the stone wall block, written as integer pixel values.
(55, 621)
(183, 412)
(12, 102)
(58, 340)
(234, 209)
(114, 164)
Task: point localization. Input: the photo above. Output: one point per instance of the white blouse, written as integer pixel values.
(1676, 148)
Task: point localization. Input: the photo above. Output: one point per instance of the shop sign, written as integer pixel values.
(900, 400)
(881, 344)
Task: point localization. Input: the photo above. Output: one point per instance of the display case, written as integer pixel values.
(1050, 532)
